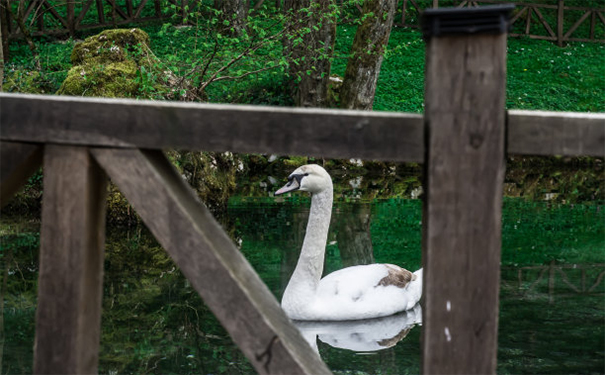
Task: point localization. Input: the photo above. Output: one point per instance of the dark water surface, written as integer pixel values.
(552, 306)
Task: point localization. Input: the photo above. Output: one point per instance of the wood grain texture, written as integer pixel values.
(556, 133)
(210, 127)
(68, 317)
(465, 88)
(210, 261)
(18, 161)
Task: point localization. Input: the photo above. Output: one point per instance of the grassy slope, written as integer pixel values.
(540, 74)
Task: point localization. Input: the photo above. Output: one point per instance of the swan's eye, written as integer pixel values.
(297, 177)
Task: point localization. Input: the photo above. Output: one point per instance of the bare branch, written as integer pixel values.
(236, 59)
(212, 56)
(224, 78)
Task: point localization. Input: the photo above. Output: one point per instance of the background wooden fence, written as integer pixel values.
(554, 20)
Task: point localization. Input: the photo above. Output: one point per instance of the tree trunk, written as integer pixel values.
(309, 45)
(369, 45)
(233, 16)
(4, 29)
(1, 58)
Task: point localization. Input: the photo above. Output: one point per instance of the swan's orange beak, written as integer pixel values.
(292, 185)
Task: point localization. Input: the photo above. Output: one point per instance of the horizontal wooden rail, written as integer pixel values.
(211, 127)
(556, 133)
(326, 133)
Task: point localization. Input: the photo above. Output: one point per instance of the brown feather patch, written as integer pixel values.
(400, 277)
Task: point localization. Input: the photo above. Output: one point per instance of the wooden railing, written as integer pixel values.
(47, 17)
(462, 139)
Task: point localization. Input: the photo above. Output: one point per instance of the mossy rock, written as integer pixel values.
(112, 80)
(119, 64)
(111, 46)
(108, 64)
(24, 81)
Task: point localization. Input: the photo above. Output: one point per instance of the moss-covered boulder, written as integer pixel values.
(111, 46)
(109, 64)
(112, 80)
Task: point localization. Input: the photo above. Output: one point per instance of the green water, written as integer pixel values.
(552, 316)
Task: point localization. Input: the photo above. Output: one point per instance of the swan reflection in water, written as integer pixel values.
(361, 335)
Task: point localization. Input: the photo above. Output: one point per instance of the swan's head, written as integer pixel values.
(310, 177)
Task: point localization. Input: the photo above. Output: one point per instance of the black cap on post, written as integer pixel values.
(493, 19)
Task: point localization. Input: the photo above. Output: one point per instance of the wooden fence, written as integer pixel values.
(562, 23)
(556, 22)
(462, 139)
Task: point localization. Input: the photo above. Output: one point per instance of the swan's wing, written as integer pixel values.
(365, 291)
(370, 276)
(352, 282)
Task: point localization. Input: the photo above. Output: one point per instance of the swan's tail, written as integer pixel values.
(415, 289)
(418, 274)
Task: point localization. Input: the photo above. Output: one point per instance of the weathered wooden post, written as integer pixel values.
(68, 317)
(465, 145)
(560, 21)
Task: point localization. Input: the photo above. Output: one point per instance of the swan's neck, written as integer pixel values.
(305, 279)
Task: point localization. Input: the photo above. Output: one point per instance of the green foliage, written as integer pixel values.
(575, 76)
(26, 81)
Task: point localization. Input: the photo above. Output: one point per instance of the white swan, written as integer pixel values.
(359, 292)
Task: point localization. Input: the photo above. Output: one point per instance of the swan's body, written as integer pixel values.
(359, 292)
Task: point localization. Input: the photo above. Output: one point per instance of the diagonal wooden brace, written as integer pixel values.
(211, 262)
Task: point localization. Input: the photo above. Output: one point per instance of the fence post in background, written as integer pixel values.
(71, 18)
(560, 21)
(464, 169)
(100, 11)
(129, 9)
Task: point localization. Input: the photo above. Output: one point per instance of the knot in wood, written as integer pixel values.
(361, 124)
(476, 140)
